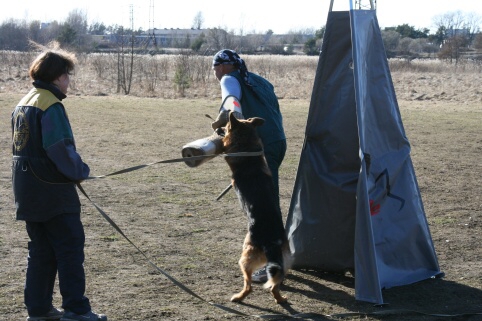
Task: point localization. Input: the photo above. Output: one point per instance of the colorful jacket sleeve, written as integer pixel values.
(58, 142)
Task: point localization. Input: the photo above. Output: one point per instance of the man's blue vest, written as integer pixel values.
(259, 100)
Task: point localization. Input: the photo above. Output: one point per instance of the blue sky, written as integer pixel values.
(243, 16)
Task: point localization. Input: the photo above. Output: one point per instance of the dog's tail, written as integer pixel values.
(276, 274)
(279, 261)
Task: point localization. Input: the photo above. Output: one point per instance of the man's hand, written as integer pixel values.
(223, 118)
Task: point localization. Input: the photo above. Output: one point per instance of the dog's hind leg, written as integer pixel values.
(275, 278)
(251, 258)
(247, 281)
(276, 269)
(276, 294)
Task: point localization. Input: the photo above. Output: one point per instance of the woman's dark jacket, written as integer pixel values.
(46, 165)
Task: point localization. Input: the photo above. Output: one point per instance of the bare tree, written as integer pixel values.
(77, 21)
(478, 41)
(460, 30)
(125, 60)
(417, 46)
(13, 35)
(390, 38)
(198, 21)
(472, 23)
(450, 20)
(34, 30)
(404, 47)
(254, 42)
(49, 32)
(218, 38)
(451, 49)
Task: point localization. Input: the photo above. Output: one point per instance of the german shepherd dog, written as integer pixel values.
(266, 242)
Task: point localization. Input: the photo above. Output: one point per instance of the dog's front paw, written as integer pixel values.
(281, 299)
(238, 297)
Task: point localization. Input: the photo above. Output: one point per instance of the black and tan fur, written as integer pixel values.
(265, 242)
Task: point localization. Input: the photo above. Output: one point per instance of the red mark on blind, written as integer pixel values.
(374, 208)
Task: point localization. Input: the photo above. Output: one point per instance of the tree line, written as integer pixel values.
(457, 35)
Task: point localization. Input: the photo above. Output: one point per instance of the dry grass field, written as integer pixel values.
(170, 212)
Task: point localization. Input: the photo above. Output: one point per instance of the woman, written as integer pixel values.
(46, 168)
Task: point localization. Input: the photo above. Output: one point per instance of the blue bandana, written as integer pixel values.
(230, 57)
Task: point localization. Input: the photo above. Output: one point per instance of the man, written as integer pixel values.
(250, 95)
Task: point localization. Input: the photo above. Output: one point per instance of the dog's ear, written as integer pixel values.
(256, 121)
(233, 120)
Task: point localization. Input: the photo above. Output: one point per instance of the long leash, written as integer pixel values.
(152, 264)
(277, 316)
(177, 160)
(172, 279)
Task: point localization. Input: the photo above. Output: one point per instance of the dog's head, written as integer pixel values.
(241, 135)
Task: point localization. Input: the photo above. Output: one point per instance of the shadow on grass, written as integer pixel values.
(432, 299)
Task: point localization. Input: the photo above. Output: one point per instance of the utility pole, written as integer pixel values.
(131, 15)
(152, 34)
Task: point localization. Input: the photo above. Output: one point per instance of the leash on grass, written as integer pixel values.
(119, 230)
(152, 264)
(172, 279)
(179, 284)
